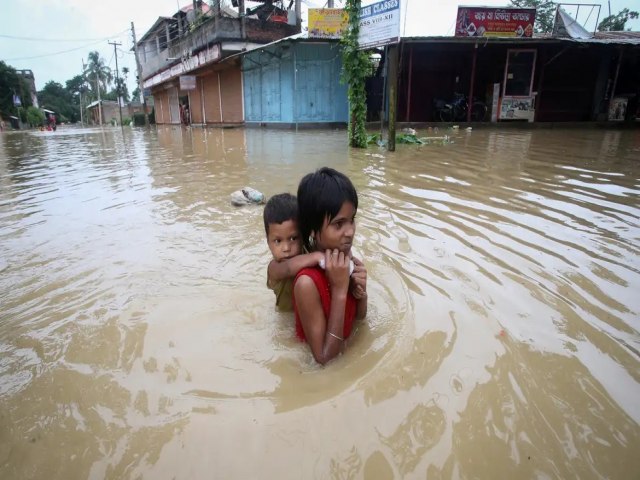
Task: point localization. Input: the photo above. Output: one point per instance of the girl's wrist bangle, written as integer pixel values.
(336, 336)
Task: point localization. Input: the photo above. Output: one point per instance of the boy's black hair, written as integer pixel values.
(279, 209)
(321, 195)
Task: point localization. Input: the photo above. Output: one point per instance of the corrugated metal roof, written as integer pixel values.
(608, 39)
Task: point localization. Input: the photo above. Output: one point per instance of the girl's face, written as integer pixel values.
(339, 231)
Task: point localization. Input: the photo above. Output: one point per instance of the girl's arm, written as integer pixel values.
(324, 335)
(277, 271)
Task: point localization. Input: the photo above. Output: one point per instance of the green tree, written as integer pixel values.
(355, 67)
(135, 95)
(545, 13)
(121, 88)
(12, 84)
(57, 98)
(616, 23)
(35, 116)
(78, 88)
(98, 74)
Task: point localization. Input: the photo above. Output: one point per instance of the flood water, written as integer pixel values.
(138, 339)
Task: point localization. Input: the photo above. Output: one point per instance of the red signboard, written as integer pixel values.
(495, 22)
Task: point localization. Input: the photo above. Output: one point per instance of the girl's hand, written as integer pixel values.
(359, 280)
(337, 268)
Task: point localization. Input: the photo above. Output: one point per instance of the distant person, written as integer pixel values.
(283, 237)
(326, 302)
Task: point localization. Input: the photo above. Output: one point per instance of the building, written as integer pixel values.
(181, 58)
(294, 81)
(27, 76)
(570, 75)
(110, 111)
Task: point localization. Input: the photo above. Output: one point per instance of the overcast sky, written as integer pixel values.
(53, 37)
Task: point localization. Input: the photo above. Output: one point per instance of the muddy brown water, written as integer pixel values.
(138, 339)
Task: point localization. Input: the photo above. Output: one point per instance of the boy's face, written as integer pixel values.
(284, 240)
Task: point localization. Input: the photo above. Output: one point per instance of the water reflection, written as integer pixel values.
(138, 339)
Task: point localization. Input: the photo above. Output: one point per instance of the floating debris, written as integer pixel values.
(247, 196)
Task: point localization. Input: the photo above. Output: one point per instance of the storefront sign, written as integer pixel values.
(495, 22)
(327, 22)
(210, 55)
(187, 82)
(379, 24)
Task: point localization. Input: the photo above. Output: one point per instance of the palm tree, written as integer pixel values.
(98, 75)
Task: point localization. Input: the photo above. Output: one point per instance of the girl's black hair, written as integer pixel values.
(279, 209)
(321, 195)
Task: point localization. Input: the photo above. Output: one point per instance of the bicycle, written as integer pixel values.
(456, 110)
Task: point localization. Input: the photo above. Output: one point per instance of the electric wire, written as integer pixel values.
(37, 39)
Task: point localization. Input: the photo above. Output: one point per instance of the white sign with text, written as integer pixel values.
(379, 24)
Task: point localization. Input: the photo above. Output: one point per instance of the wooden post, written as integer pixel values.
(408, 119)
(393, 96)
(473, 80)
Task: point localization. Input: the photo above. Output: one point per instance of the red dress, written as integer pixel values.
(322, 284)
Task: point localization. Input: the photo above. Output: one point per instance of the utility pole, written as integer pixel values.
(99, 99)
(139, 68)
(115, 54)
(330, 3)
(80, 92)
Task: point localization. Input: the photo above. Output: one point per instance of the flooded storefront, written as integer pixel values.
(138, 338)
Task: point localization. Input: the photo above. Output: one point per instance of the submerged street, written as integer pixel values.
(138, 338)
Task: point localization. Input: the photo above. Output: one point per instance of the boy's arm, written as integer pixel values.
(289, 268)
(359, 288)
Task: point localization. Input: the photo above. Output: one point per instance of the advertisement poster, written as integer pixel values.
(379, 24)
(618, 109)
(517, 108)
(327, 22)
(495, 22)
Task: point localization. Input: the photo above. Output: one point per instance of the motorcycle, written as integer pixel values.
(456, 110)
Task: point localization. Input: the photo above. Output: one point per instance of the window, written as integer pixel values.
(518, 75)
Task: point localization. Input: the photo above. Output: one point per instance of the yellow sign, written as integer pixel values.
(327, 22)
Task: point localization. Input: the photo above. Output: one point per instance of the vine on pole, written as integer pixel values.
(355, 68)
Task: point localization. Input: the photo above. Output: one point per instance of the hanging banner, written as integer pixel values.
(495, 22)
(379, 24)
(327, 22)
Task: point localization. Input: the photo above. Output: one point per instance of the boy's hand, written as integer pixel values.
(337, 268)
(359, 280)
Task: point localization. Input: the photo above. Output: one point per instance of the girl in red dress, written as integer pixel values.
(326, 302)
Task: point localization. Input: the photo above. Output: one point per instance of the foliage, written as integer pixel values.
(409, 138)
(616, 23)
(545, 13)
(126, 121)
(97, 73)
(135, 95)
(355, 68)
(35, 116)
(113, 94)
(57, 98)
(12, 84)
(138, 119)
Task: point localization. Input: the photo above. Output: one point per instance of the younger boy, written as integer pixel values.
(281, 226)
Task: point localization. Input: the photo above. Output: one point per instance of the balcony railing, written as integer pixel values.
(210, 30)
